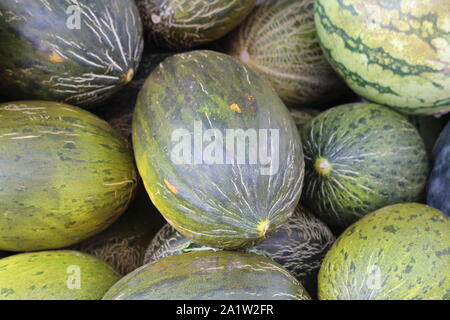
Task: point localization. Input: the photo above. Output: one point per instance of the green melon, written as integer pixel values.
(118, 110)
(394, 53)
(361, 157)
(299, 246)
(123, 245)
(77, 52)
(54, 275)
(209, 276)
(279, 41)
(302, 116)
(212, 194)
(400, 252)
(183, 24)
(429, 128)
(65, 175)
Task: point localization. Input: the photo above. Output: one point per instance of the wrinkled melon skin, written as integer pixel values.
(361, 157)
(54, 275)
(243, 206)
(394, 53)
(299, 246)
(209, 276)
(45, 55)
(278, 40)
(400, 252)
(66, 175)
(438, 195)
(184, 24)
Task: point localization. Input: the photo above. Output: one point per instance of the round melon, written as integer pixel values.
(394, 53)
(183, 24)
(400, 252)
(65, 175)
(361, 157)
(54, 275)
(77, 52)
(279, 41)
(438, 195)
(299, 246)
(123, 245)
(209, 276)
(218, 152)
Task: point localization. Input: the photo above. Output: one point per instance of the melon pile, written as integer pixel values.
(224, 150)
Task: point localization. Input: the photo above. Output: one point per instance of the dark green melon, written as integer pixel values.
(118, 110)
(77, 52)
(302, 116)
(209, 276)
(54, 275)
(123, 245)
(361, 157)
(400, 252)
(66, 175)
(430, 128)
(183, 24)
(438, 193)
(299, 246)
(394, 53)
(279, 41)
(212, 194)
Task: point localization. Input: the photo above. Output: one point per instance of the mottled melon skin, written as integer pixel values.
(123, 245)
(400, 252)
(361, 157)
(184, 24)
(227, 205)
(278, 40)
(394, 53)
(45, 56)
(52, 275)
(438, 195)
(299, 246)
(209, 276)
(66, 175)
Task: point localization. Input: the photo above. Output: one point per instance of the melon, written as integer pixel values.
(54, 275)
(400, 252)
(393, 53)
(209, 275)
(66, 175)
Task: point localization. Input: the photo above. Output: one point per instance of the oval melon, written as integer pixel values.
(361, 157)
(65, 175)
(218, 152)
(209, 276)
(400, 252)
(77, 52)
(279, 41)
(394, 53)
(54, 275)
(299, 246)
(439, 182)
(183, 24)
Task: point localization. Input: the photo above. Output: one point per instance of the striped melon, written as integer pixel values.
(78, 52)
(54, 275)
(236, 187)
(209, 276)
(400, 252)
(299, 246)
(302, 116)
(438, 195)
(361, 157)
(395, 53)
(279, 41)
(65, 175)
(183, 24)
